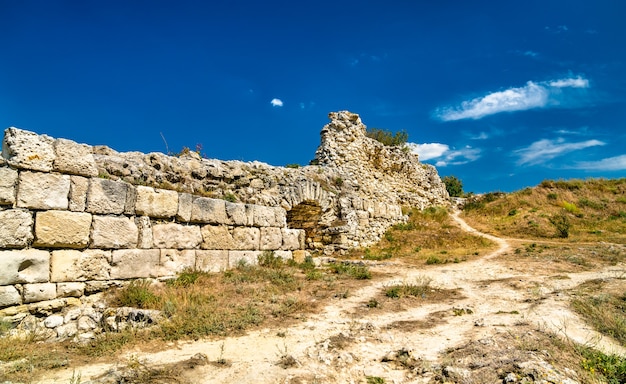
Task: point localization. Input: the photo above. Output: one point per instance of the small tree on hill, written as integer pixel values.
(454, 186)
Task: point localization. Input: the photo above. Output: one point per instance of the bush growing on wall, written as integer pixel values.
(387, 137)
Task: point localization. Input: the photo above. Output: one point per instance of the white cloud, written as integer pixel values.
(545, 149)
(428, 151)
(276, 102)
(532, 95)
(459, 157)
(578, 82)
(444, 155)
(617, 163)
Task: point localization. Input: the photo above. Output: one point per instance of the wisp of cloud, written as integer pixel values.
(532, 95)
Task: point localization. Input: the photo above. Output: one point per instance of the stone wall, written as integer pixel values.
(75, 219)
(64, 232)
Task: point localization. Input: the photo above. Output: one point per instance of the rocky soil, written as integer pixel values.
(486, 322)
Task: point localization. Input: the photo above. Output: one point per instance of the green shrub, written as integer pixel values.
(138, 294)
(268, 259)
(387, 137)
(434, 260)
(562, 225)
(185, 278)
(569, 207)
(294, 166)
(454, 186)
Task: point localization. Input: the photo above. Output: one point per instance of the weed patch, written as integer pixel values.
(418, 289)
(357, 271)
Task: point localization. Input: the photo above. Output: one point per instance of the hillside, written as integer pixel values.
(572, 211)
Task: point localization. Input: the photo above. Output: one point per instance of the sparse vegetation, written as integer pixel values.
(387, 137)
(603, 308)
(419, 288)
(576, 210)
(356, 271)
(425, 236)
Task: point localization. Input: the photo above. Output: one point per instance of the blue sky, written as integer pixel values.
(500, 94)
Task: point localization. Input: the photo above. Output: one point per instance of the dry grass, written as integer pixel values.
(429, 237)
(195, 305)
(558, 258)
(603, 304)
(594, 210)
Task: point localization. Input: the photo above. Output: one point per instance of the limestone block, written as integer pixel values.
(86, 323)
(70, 289)
(145, 232)
(246, 238)
(16, 228)
(106, 196)
(285, 255)
(39, 292)
(43, 190)
(211, 261)
(178, 236)
(8, 183)
(271, 238)
(9, 295)
(174, 261)
(280, 216)
(210, 211)
(53, 321)
(216, 237)
(380, 209)
(72, 265)
(236, 214)
(62, 229)
(155, 202)
(71, 314)
(67, 330)
(185, 203)
(299, 255)
(236, 258)
(74, 158)
(293, 238)
(78, 193)
(131, 200)
(135, 263)
(28, 150)
(114, 232)
(49, 307)
(24, 266)
(263, 216)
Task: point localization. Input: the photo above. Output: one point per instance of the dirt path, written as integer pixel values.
(348, 341)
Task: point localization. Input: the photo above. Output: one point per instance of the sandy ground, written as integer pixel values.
(347, 341)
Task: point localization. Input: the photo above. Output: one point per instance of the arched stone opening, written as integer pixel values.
(307, 215)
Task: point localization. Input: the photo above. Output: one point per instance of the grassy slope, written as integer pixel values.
(429, 237)
(595, 210)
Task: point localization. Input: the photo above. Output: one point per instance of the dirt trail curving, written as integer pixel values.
(347, 341)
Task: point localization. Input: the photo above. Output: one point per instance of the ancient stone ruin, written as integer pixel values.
(76, 219)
